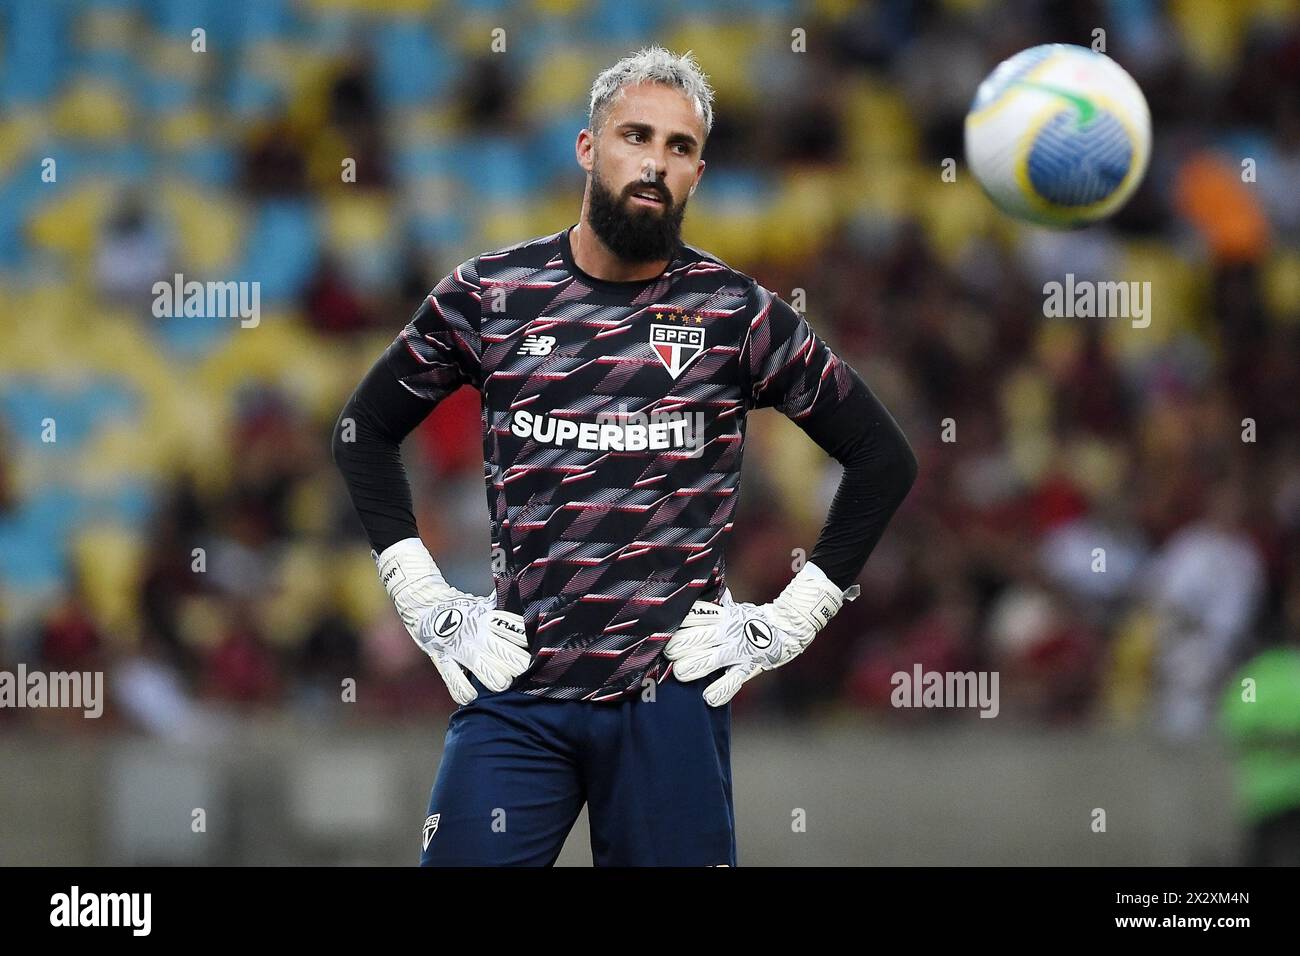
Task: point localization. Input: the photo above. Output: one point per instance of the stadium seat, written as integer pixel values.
(282, 248)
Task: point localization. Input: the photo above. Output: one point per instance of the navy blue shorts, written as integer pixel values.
(516, 770)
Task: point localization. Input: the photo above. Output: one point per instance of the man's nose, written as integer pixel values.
(653, 172)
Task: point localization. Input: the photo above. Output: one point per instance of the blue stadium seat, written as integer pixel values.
(615, 21)
(263, 20)
(413, 160)
(251, 95)
(20, 194)
(411, 64)
(131, 502)
(35, 49)
(283, 247)
(497, 167)
(33, 539)
(209, 163)
(163, 93)
(129, 162)
(25, 402)
(551, 150)
(192, 337)
(176, 18)
(118, 67)
(738, 185)
(448, 229)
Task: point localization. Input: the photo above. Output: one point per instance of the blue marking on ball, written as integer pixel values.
(1072, 165)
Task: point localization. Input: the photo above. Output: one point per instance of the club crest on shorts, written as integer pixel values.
(430, 828)
(677, 338)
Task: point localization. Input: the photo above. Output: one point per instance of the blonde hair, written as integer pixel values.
(653, 64)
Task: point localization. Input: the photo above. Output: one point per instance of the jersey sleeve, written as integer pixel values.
(440, 348)
(789, 367)
(792, 369)
(437, 352)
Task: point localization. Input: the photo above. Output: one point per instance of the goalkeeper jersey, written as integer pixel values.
(613, 427)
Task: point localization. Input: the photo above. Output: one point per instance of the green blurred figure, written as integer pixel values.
(1261, 717)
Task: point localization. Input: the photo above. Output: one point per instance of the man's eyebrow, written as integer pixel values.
(679, 137)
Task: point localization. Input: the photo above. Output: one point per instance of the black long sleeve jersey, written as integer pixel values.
(613, 420)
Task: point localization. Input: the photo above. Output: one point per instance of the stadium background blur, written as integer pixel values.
(182, 433)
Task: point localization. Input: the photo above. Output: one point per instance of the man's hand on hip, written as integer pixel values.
(749, 638)
(459, 631)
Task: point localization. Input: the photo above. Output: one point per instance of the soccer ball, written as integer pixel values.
(1058, 135)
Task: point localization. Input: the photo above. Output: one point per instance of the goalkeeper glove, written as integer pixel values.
(748, 638)
(454, 628)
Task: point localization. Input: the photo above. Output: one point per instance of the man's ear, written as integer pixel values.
(698, 176)
(577, 148)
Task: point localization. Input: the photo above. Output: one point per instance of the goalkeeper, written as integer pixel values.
(617, 368)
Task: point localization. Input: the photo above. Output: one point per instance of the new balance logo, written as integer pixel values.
(537, 345)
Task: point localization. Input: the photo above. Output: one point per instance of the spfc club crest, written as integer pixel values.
(677, 339)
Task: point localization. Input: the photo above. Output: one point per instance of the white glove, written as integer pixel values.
(454, 628)
(748, 638)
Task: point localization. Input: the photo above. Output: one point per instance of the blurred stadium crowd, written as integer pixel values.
(186, 530)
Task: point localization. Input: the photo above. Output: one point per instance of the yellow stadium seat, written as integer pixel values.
(93, 110)
(1212, 32)
(1177, 301)
(21, 132)
(880, 188)
(281, 352)
(102, 29)
(210, 228)
(1128, 671)
(501, 223)
(354, 218)
(109, 562)
(357, 589)
(69, 222)
(1282, 285)
(118, 450)
(296, 598)
(391, 8)
(729, 53)
(878, 123)
(557, 9)
(204, 621)
(954, 213)
(181, 129)
(559, 83)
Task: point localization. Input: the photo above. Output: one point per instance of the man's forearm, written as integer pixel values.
(367, 449)
(879, 469)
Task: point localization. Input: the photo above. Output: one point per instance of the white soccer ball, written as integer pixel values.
(1058, 135)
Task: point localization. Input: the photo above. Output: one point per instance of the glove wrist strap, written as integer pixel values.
(813, 597)
(412, 579)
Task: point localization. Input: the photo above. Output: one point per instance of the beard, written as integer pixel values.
(635, 233)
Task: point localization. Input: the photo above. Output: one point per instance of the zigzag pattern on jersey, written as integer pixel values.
(607, 550)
